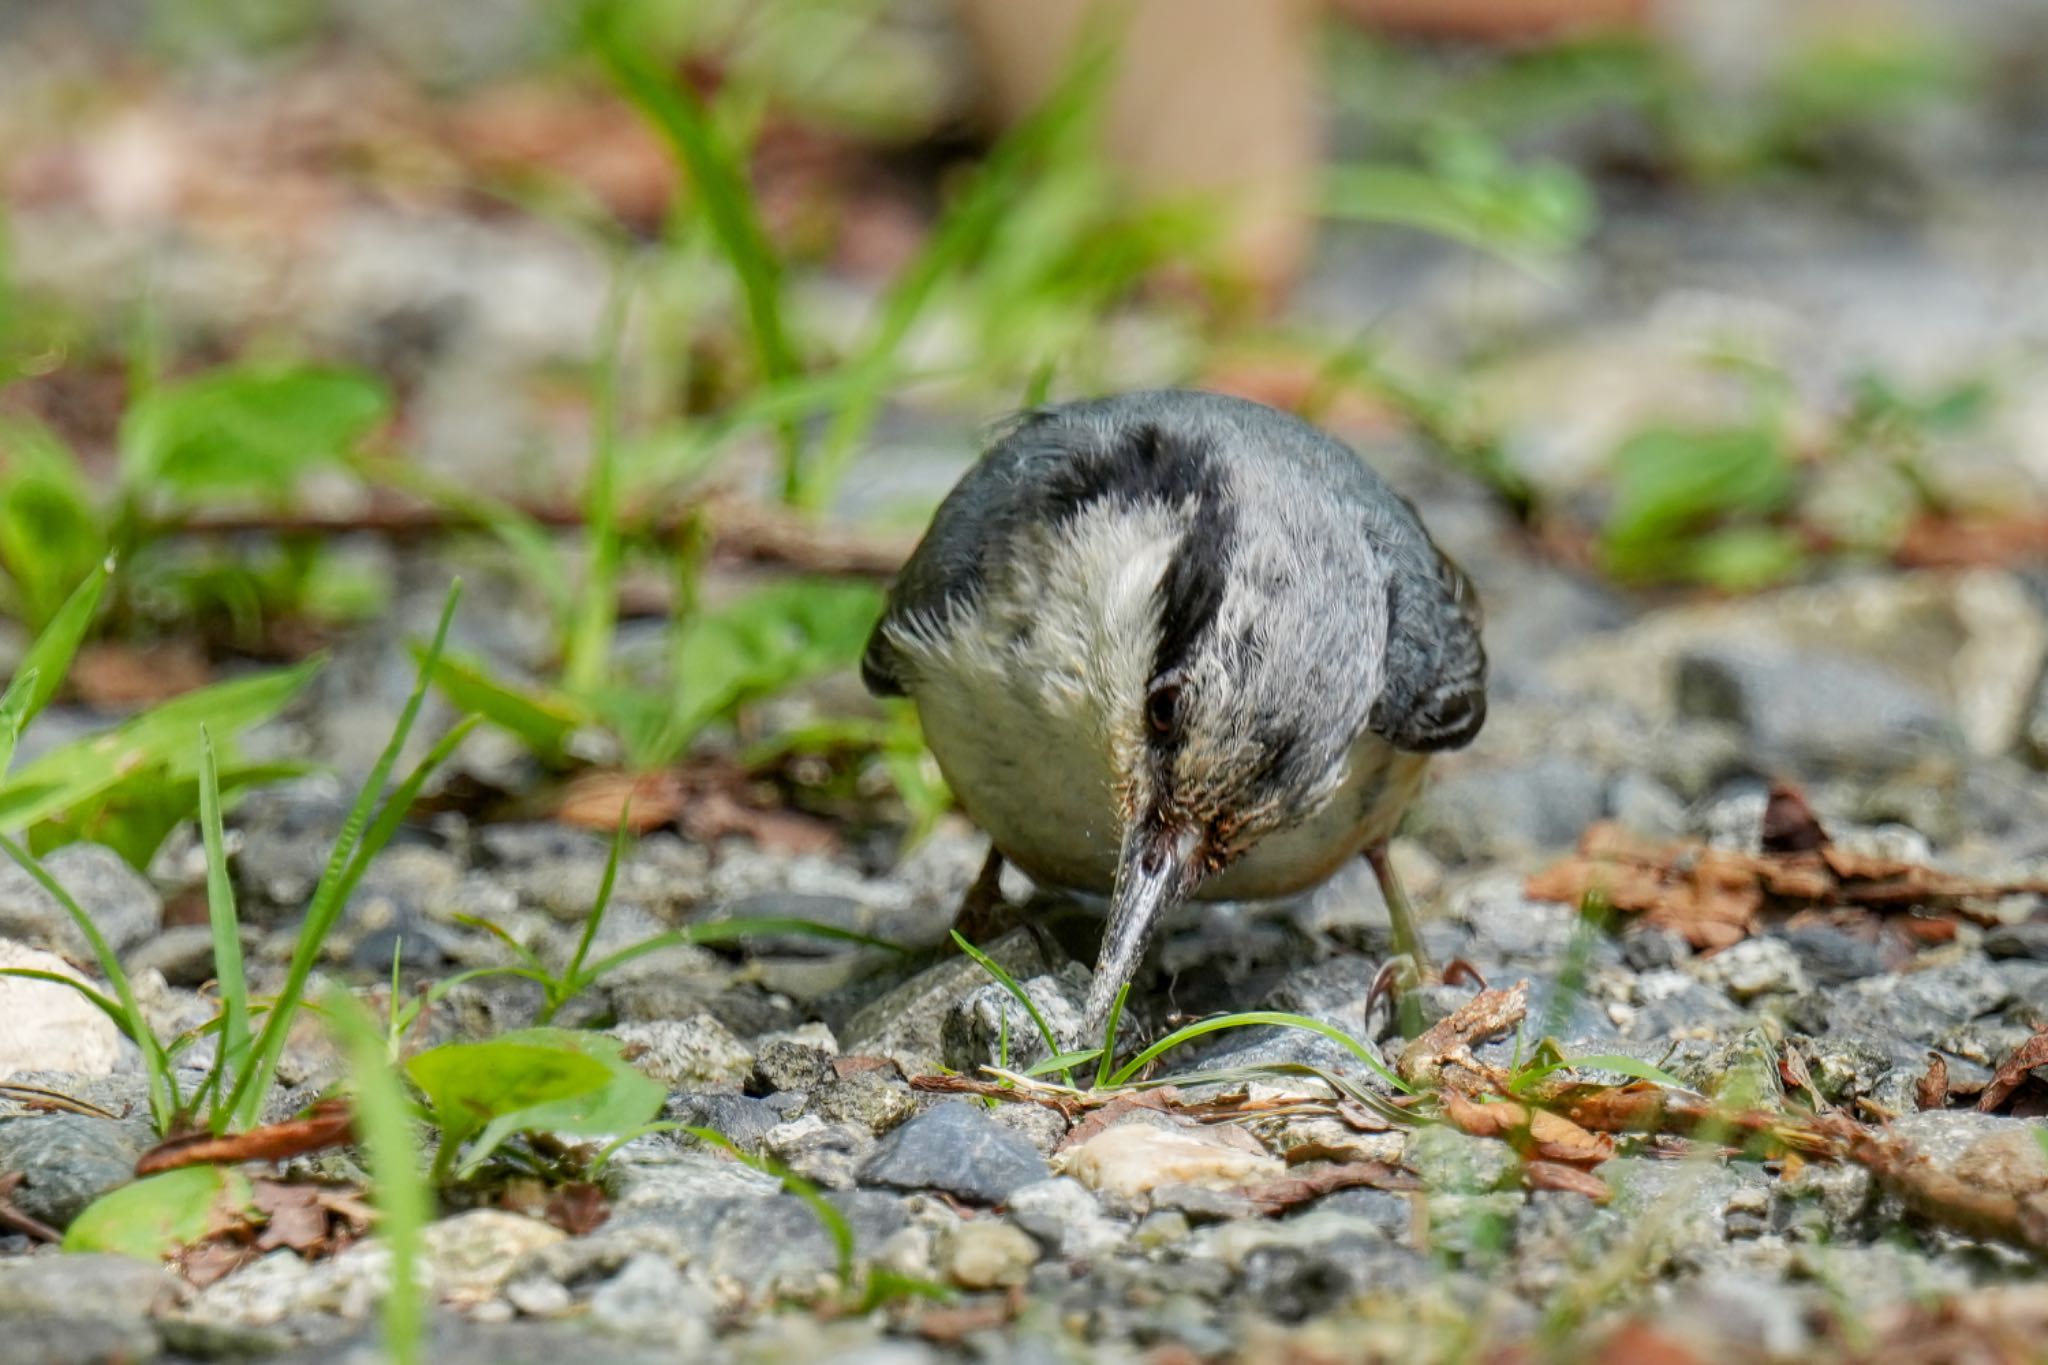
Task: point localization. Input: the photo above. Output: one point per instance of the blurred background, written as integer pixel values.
(668, 322)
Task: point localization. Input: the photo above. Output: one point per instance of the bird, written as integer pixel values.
(1172, 645)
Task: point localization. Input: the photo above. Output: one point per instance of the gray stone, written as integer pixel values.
(182, 954)
(827, 1154)
(907, 1024)
(649, 1300)
(743, 1121)
(1753, 967)
(787, 1065)
(991, 1026)
(2028, 939)
(957, 1149)
(1832, 955)
(1645, 806)
(49, 1337)
(697, 1053)
(1818, 712)
(1451, 1162)
(122, 906)
(1908, 1011)
(1063, 1214)
(1513, 812)
(876, 1099)
(988, 1253)
(67, 1160)
(82, 1286)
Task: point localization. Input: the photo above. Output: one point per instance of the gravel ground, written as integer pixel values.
(1911, 707)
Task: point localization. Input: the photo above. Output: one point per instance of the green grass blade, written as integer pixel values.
(162, 1095)
(1201, 1028)
(834, 1222)
(963, 232)
(718, 174)
(1023, 997)
(330, 895)
(42, 669)
(1627, 1066)
(404, 1205)
(226, 927)
(1116, 1015)
(527, 539)
(1063, 1061)
(587, 655)
(595, 918)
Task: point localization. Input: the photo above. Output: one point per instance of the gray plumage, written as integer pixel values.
(1180, 628)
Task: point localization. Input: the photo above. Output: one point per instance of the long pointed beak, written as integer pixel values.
(1158, 868)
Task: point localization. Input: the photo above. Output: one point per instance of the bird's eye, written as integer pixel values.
(1162, 708)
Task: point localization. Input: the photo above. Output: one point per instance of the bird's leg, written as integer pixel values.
(1408, 948)
(984, 914)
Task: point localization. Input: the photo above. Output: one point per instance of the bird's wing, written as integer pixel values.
(1433, 683)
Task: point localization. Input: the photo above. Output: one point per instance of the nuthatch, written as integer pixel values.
(1174, 644)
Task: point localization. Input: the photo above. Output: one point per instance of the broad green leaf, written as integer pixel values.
(541, 718)
(532, 1080)
(470, 1085)
(158, 1214)
(158, 740)
(133, 816)
(248, 429)
(626, 1099)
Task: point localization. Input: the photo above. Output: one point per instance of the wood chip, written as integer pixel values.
(1288, 1191)
(1931, 1090)
(2012, 1072)
(1556, 1175)
(1486, 1015)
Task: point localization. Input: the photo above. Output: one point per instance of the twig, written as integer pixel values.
(55, 1099)
(12, 1217)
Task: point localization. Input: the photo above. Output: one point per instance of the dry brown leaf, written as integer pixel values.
(1288, 1191)
(706, 801)
(326, 1124)
(578, 1207)
(1790, 826)
(1116, 1111)
(1931, 1090)
(1556, 1175)
(1536, 1133)
(293, 1216)
(2013, 1071)
(1712, 896)
(1638, 1343)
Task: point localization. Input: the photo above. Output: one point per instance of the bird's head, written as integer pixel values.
(1230, 685)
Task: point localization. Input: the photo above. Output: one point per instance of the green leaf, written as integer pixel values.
(248, 429)
(52, 536)
(540, 718)
(1627, 1066)
(1669, 483)
(345, 866)
(404, 1203)
(159, 1214)
(225, 926)
(763, 643)
(1180, 1037)
(532, 1080)
(48, 660)
(1467, 190)
(157, 742)
(718, 175)
(1017, 993)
